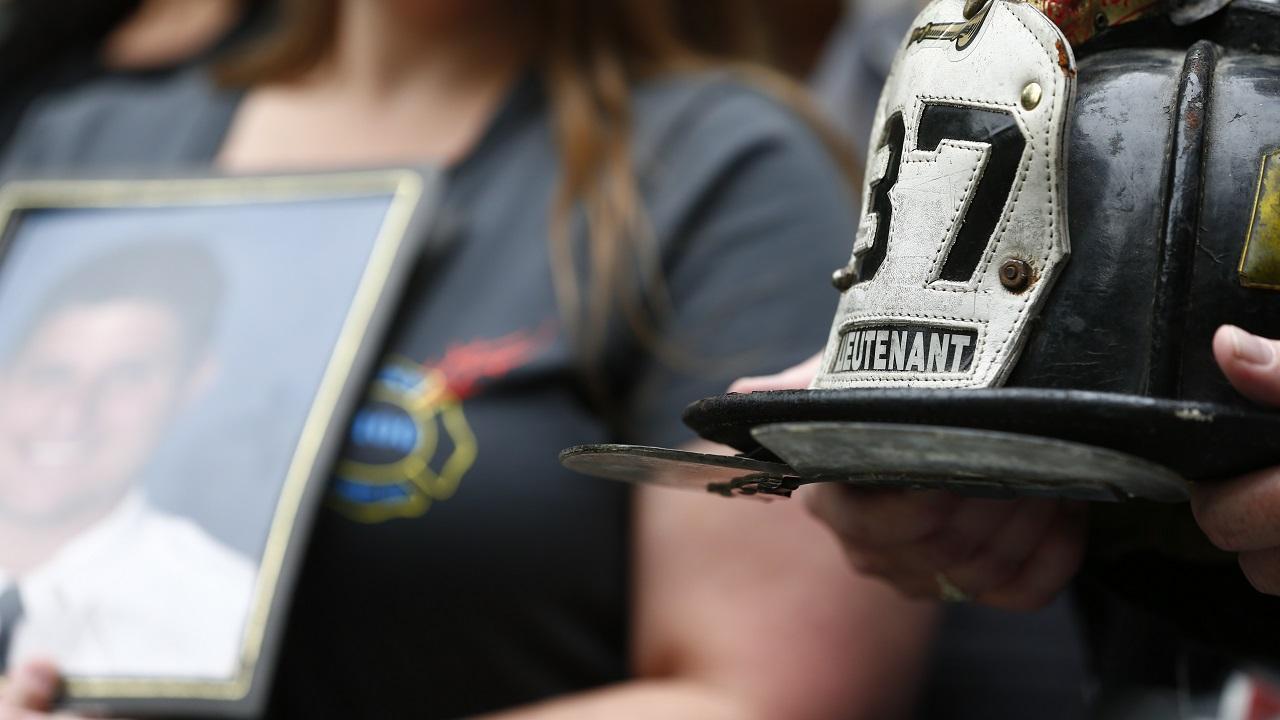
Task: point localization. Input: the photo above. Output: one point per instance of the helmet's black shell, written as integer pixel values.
(1166, 148)
(1165, 151)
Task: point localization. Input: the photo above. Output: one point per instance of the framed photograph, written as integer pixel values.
(178, 362)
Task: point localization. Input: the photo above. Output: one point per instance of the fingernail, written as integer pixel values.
(1250, 348)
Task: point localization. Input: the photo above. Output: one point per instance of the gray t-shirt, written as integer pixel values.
(457, 567)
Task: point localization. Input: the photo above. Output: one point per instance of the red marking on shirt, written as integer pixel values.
(468, 365)
(1265, 702)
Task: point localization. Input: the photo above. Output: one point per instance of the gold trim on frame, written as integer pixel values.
(406, 189)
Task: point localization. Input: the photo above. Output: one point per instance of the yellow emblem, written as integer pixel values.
(409, 446)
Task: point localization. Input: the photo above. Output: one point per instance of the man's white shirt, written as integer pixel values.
(141, 593)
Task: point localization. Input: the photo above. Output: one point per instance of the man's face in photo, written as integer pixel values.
(83, 401)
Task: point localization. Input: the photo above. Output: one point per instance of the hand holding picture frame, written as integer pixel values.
(178, 359)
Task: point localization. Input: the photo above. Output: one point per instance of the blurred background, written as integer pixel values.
(984, 664)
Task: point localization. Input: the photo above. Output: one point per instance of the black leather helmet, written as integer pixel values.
(980, 348)
(1173, 206)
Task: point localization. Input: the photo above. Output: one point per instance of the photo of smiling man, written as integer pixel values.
(92, 575)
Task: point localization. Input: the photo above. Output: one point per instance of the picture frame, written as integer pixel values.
(171, 452)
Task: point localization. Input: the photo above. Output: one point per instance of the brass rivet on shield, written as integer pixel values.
(844, 278)
(1015, 275)
(1031, 95)
(971, 7)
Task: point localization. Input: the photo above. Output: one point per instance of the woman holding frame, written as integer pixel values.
(638, 219)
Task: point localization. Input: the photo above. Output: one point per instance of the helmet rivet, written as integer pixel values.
(1015, 275)
(1031, 95)
(844, 278)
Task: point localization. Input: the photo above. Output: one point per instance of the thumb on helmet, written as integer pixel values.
(1251, 363)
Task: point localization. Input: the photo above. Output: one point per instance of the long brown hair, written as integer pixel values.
(591, 53)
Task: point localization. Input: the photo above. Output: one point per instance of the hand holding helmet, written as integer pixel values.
(1012, 554)
(1240, 515)
(1018, 554)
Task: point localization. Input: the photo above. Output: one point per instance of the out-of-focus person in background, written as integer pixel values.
(846, 78)
(635, 221)
(50, 45)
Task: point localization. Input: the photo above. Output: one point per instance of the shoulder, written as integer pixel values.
(712, 146)
(112, 123)
(715, 116)
(721, 103)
